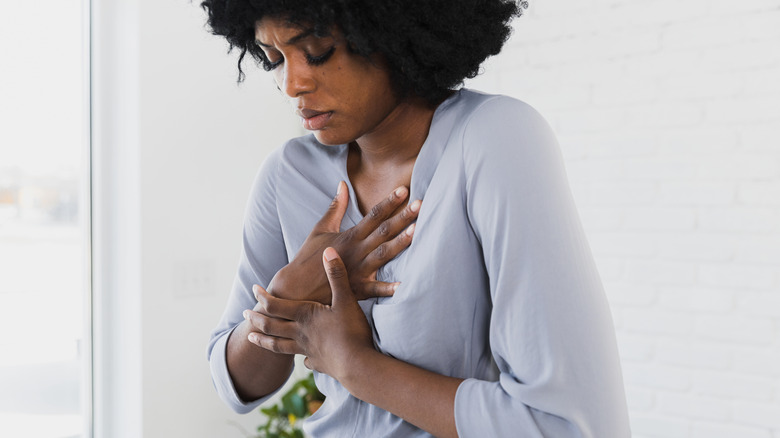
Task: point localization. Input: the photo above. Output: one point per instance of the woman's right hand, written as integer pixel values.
(364, 248)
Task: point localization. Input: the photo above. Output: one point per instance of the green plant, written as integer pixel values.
(283, 418)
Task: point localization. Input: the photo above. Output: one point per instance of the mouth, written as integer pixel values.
(314, 120)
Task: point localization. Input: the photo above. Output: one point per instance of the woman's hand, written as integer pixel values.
(337, 341)
(330, 336)
(364, 248)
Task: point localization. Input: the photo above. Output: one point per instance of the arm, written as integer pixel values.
(551, 332)
(421, 397)
(257, 372)
(337, 341)
(263, 254)
(241, 371)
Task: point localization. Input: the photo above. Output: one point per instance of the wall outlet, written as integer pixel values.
(193, 278)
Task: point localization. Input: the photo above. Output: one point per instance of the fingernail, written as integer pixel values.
(410, 230)
(330, 254)
(415, 207)
(400, 191)
(395, 286)
(338, 189)
(245, 314)
(255, 288)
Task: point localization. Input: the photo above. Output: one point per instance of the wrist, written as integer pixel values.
(362, 364)
(294, 282)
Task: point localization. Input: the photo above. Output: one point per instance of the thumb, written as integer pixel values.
(337, 277)
(331, 220)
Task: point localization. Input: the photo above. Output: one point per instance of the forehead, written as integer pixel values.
(275, 30)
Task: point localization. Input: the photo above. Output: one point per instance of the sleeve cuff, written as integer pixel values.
(224, 383)
(482, 408)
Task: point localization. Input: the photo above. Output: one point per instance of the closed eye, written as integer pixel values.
(269, 65)
(320, 59)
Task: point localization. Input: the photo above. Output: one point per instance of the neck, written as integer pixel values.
(399, 138)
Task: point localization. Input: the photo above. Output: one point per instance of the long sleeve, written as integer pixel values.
(551, 331)
(263, 254)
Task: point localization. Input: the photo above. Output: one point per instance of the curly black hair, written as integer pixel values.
(430, 46)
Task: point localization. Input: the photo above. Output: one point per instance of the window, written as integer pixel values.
(44, 220)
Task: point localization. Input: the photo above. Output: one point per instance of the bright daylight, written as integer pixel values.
(43, 252)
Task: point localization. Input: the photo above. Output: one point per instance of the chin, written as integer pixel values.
(329, 138)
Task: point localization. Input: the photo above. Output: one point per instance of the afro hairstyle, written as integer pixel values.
(430, 46)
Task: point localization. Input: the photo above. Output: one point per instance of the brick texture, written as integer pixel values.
(668, 116)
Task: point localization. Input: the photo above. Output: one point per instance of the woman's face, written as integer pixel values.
(339, 95)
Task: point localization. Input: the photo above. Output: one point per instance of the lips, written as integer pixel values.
(314, 120)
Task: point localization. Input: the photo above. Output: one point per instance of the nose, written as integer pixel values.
(297, 78)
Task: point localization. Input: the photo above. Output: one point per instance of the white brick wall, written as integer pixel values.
(668, 115)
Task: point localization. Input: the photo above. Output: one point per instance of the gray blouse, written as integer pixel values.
(498, 286)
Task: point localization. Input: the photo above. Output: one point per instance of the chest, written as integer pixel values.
(440, 311)
(372, 186)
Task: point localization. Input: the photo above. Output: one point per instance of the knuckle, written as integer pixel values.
(262, 324)
(345, 236)
(336, 272)
(303, 316)
(273, 344)
(381, 251)
(383, 230)
(376, 211)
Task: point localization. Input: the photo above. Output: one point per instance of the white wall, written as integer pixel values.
(177, 144)
(668, 114)
(202, 140)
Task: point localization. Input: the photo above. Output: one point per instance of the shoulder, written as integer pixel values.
(501, 127)
(490, 112)
(296, 151)
(305, 148)
(299, 152)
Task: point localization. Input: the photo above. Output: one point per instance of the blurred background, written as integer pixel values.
(116, 258)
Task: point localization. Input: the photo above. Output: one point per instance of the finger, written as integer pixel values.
(337, 278)
(274, 306)
(331, 220)
(272, 343)
(386, 251)
(271, 326)
(380, 212)
(391, 227)
(374, 289)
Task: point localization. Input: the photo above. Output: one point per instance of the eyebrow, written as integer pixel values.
(292, 40)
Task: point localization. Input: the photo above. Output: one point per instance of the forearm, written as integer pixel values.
(419, 396)
(255, 371)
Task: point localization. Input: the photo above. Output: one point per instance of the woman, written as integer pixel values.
(491, 320)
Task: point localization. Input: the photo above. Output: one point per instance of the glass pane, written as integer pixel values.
(43, 222)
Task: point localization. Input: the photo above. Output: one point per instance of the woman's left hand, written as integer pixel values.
(328, 335)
